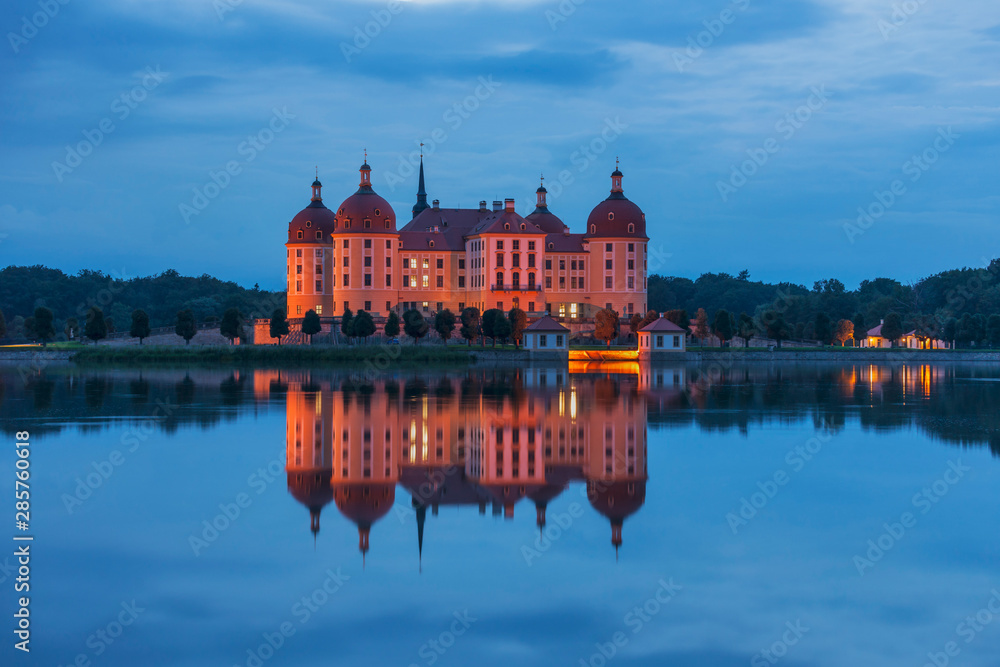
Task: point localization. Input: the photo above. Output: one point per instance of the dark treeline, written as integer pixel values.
(967, 297)
(953, 304)
(24, 288)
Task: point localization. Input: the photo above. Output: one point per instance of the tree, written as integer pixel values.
(185, 327)
(470, 324)
(489, 323)
(774, 324)
(993, 330)
(722, 326)
(892, 328)
(859, 325)
(746, 329)
(518, 323)
(109, 323)
(501, 328)
(950, 330)
(823, 328)
(415, 325)
(444, 323)
(391, 328)
(363, 325)
(140, 325)
(232, 324)
(95, 329)
(310, 324)
(44, 328)
(29, 328)
(680, 318)
(606, 325)
(844, 331)
(72, 329)
(345, 323)
(3, 326)
(635, 323)
(701, 325)
(279, 324)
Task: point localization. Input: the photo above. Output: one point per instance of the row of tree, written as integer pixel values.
(494, 324)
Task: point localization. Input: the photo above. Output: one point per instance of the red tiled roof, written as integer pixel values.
(564, 243)
(662, 325)
(546, 323)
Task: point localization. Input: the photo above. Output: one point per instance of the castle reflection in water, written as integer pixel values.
(493, 441)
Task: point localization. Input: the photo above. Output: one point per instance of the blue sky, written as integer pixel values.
(750, 132)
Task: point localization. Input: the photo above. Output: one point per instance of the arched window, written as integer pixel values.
(506, 225)
(593, 229)
(631, 228)
(431, 243)
(300, 233)
(522, 227)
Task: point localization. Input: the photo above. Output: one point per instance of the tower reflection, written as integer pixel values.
(492, 440)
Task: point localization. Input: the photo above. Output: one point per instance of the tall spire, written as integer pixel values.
(421, 518)
(542, 205)
(421, 204)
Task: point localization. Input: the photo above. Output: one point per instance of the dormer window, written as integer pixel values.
(319, 235)
(388, 223)
(300, 234)
(611, 216)
(522, 227)
(631, 228)
(593, 229)
(506, 225)
(347, 224)
(431, 243)
(377, 213)
(309, 223)
(368, 224)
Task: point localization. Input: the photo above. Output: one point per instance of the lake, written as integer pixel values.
(794, 514)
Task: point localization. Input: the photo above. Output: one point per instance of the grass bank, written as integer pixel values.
(389, 356)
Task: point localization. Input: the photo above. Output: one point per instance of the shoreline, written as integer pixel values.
(383, 357)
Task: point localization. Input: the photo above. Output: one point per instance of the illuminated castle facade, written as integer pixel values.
(357, 257)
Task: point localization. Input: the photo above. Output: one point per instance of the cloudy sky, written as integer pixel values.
(751, 132)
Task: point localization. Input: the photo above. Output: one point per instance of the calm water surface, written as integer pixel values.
(620, 515)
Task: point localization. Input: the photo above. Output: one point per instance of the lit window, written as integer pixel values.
(427, 263)
(426, 281)
(319, 310)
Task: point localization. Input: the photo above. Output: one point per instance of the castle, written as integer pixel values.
(357, 258)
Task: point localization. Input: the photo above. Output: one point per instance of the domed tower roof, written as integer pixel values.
(616, 216)
(542, 497)
(616, 500)
(312, 489)
(314, 218)
(364, 504)
(365, 211)
(542, 218)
